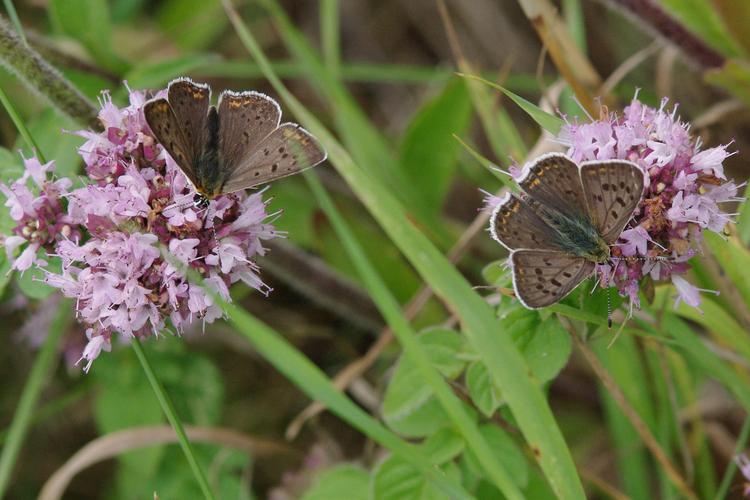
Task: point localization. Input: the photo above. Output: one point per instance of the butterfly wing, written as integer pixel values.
(245, 119)
(554, 181)
(543, 277)
(286, 151)
(167, 130)
(613, 189)
(515, 225)
(190, 102)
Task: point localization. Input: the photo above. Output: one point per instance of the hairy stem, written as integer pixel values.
(24, 62)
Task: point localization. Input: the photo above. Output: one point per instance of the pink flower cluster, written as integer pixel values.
(39, 213)
(687, 185)
(142, 235)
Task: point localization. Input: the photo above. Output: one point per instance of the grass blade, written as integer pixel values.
(24, 413)
(501, 355)
(548, 122)
(391, 310)
(174, 419)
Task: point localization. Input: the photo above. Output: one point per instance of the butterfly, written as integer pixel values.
(236, 145)
(564, 222)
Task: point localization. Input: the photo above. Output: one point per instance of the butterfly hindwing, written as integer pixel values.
(613, 190)
(554, 181)
(190, 102)
(543, 277)
(287, 150)
(515, 225)
(245, 119)
(167, 130)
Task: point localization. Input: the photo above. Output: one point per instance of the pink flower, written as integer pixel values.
(138, 206)
(686, 187)
(688, 293)
(38, 210)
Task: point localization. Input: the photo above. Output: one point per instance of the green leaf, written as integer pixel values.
(88, 22)
(482, 390)
(155, 75)
(548, 122)
(174, 478)
(443, 445)
(31, 282)
(127, 400)
(428, 151)
(191, 24)
(734, 77)
(547, 349)
(342, 482)
(701, 17)
(52, 132)
(734, 259)
(409, 407)
(507, 451)
(11, 167)
(394, 479)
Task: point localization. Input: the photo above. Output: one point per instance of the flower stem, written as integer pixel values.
(20, 126)
(173, 418)
(14, 18)
(39, 75)
(25, 410)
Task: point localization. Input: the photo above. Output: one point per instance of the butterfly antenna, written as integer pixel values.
(609, 308)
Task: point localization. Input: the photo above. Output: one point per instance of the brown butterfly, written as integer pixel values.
(564, 223)
(236, 145)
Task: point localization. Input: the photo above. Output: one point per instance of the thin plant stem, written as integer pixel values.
(173, 418)
(24, 413)
(40, 76)
(20, 125)
(329, 28)
(14, 18)
(635, 419)
(726, 480)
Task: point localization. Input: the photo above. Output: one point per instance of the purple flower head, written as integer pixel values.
(37, 207)
(685, 191)
(129, 274)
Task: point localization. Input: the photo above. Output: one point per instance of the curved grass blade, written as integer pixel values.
(391, 311)
(505, 362)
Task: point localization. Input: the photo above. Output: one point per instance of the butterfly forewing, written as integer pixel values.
(553, 181)
(543, 277)
(287, 150)
(515, 225)
(190, 102)
(167, 130)
(245, 119)
(613, 190)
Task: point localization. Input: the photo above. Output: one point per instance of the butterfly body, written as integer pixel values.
(564, 223)
(577, 235)
(235, 145)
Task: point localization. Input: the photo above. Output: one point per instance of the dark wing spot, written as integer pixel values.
(620, 201)
(555, 282)
(614, 214)
(274, 167)
(605, 187)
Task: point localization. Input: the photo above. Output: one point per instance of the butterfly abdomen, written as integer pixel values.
(210, 176)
